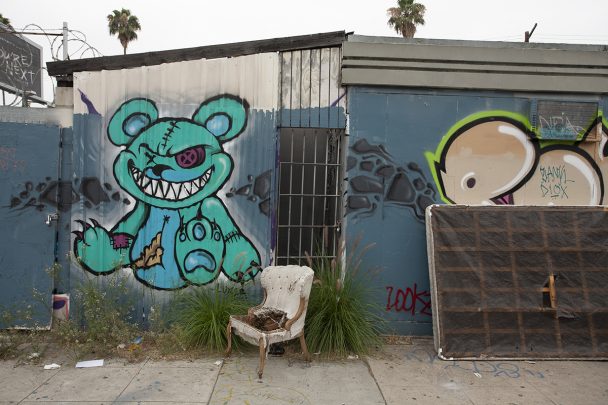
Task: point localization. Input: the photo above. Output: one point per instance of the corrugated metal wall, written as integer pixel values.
(175, 165)
(311, 95)
(169, 175)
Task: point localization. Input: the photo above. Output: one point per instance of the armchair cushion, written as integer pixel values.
(267, 319)
(252, 335)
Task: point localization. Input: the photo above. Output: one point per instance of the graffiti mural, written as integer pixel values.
(257, 189)
(62, 194)
(178, 232)
(376, 181)
(497, 157)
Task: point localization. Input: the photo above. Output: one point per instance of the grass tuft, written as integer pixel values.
(203, 316)
(341, 317)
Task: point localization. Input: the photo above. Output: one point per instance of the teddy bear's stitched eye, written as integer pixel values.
(191, 157)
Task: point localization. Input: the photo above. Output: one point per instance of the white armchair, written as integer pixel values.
(286, 288)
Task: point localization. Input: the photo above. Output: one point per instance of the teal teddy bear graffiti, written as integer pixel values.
(179, 232)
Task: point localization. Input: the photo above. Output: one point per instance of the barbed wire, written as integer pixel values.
(77, 36)
(55, 43)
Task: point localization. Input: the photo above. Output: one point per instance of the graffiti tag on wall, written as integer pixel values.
(557, 127)
(179, 232)
(495, 157)
(410, 300)
(9, 160)
(554, 181)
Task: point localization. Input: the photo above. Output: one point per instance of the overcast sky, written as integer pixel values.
(181, 24)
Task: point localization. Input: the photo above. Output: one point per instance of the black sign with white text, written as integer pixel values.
(20, 63)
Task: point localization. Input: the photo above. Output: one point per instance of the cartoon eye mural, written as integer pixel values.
(468, 181)
(495, 157)
(484, 159)
(191, 157)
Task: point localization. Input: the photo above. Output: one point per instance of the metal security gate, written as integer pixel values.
(29, 161)
(310, 194)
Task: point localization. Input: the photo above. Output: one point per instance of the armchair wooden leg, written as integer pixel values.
(229, 337)
(262, 358)
(304, 348)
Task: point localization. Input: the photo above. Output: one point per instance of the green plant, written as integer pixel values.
(103, 316)
(341, 318)
(202, 315)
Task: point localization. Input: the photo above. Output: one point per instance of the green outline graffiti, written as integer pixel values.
(434, 158)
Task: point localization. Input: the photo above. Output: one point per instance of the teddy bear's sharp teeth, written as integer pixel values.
(188, 187)
(183, 192)
(136, 174)
(144, 182)
(148, 189)
(158, 191)
(171, 192)
(154, 186)
(164, 188)
(194, 186)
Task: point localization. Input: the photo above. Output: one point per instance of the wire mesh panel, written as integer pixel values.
(519, 282)
(309, 194)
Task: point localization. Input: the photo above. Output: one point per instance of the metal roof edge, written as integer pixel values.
(475, 44)
(320, 40)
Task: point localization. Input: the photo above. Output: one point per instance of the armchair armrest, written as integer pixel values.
(298, 314)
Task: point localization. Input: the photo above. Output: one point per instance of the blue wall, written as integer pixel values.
(29, 155)
(390, 184)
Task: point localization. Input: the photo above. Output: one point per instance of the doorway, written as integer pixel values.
(310, 194)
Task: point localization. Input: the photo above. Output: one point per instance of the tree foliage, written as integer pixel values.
(4, 20)
(124, 25)
(404, 18)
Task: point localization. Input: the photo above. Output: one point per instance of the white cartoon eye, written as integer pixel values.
(468, 181)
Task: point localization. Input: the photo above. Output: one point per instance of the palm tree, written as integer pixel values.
(4, 20)
(406, 17)
(124, 24)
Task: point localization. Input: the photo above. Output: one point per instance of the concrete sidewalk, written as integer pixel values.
(397, 374)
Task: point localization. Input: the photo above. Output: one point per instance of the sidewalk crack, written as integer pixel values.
(369, 370)
(132, 378)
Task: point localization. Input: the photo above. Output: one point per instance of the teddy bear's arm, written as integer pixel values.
(241, 260)
(100, 251)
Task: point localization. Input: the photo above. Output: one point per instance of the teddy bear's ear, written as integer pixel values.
(129, 120)
(224, 116)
